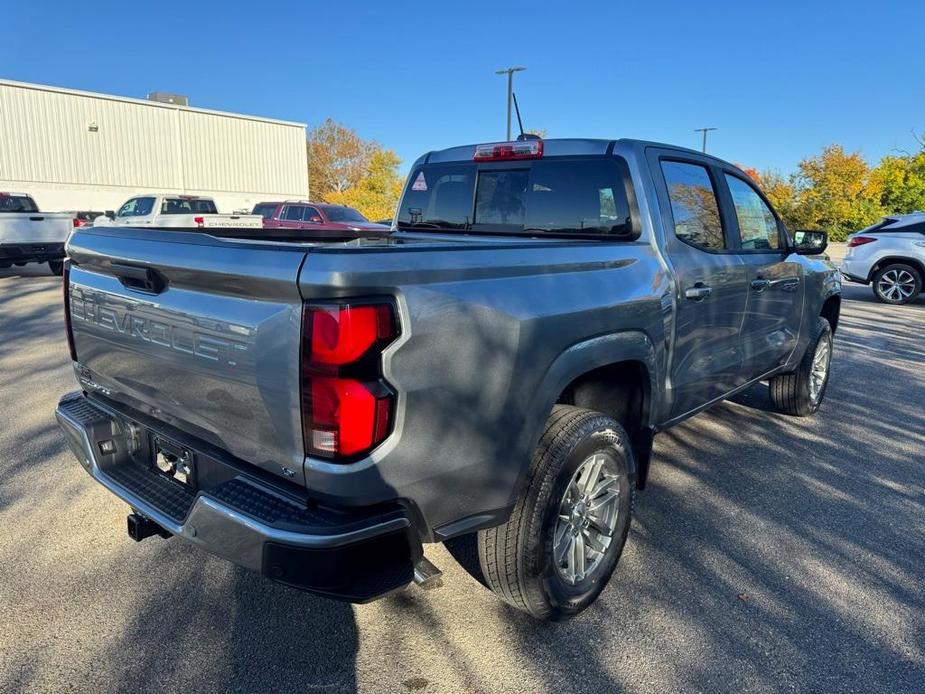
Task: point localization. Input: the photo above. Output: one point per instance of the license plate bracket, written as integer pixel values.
(174, 461)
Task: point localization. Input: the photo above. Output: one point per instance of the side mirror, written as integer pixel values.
(810, 242)
(110, 213)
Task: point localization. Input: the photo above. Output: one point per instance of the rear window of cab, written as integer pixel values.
(579, 197)
(17, 203)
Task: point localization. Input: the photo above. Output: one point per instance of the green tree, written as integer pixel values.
(901, 180)
(376, 193)
(836, 192)
(782, 195)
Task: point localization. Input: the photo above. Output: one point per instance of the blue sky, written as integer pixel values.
(779, 80)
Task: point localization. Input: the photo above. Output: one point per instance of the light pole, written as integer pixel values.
(704, 131)
(510, 90)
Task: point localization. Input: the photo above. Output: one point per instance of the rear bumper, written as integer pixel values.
(31, 252)
(855, 271)
(349, 555)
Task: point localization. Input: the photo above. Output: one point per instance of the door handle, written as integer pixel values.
(698, 292)
(760, 284)
(786, 284)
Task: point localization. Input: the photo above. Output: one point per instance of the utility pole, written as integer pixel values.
(704, 131)
(510, 90)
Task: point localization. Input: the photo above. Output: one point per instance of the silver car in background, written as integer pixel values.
(889, 256)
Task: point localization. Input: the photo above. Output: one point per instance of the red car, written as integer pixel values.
(302, 214)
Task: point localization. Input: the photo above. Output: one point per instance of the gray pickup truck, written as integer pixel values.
(491, 373)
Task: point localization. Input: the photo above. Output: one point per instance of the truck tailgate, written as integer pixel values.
(34, 227)
(200, 332)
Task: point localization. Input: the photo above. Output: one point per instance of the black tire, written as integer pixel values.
(897, 284)
(791, 393)
(56, 267)
(516, 558)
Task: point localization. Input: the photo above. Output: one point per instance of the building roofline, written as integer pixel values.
(145, 102)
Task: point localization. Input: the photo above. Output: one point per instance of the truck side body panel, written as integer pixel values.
(482, 328)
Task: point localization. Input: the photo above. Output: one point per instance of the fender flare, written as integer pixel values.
(576, 360)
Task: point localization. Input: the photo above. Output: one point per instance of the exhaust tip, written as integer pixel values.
(426, 575)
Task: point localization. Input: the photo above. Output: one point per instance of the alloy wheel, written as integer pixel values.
(587, 518)
(819, 372)
(896, 285)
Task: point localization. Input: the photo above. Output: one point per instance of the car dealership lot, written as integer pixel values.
(767, 553)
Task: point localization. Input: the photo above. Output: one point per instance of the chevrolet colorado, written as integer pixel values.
(493, 371)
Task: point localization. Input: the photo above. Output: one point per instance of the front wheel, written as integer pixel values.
(897, 284)
(800, 392)
(556, 553)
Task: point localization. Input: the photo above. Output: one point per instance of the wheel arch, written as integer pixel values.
(896, 259)
(831, 310)
(616, 374)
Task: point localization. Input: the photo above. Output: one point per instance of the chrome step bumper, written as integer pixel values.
(244, 521)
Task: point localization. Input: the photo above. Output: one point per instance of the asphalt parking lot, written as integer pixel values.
(768, 553)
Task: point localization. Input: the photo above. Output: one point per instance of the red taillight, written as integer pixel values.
(77, 222)
(346, 405)
(343, 334)
(860, 241)
(200, 221)
(66, 278)
(502, 151)
(347, 416)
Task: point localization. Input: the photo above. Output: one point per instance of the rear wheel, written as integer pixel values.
(801, 392)
(897, 284)
(562, 542)
(56, 267)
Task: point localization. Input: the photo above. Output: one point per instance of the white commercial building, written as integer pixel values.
(75, 150)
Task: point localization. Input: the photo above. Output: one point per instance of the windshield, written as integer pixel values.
(17, 203)
(344, 214)
(187, 206)
(555, 196)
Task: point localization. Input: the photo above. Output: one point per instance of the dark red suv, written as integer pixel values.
(302, 214)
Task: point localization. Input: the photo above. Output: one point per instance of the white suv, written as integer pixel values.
(890, 256)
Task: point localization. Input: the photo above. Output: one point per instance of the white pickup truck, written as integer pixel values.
(177, 211)
(30, 236)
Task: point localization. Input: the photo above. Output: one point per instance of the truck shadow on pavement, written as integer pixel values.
(237, 632)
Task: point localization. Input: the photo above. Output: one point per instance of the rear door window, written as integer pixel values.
(757, 225)
(693, 205)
